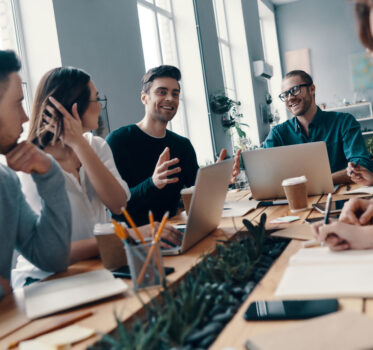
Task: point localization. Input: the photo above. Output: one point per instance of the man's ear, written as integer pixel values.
(143, 97)
(312, 90)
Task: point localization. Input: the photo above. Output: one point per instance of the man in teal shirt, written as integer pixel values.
(340, 131)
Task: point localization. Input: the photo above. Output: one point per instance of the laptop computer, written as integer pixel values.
(206, 205)
(266, 168)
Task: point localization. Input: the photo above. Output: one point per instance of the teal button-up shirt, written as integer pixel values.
(340, 131)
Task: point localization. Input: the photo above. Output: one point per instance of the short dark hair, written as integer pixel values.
(163, 71)
(9, 63)
(300, 73)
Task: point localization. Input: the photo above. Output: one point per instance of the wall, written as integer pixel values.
(103, 37)
(327, 28)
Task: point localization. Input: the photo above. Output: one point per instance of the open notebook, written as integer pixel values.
(320, 272)
(44, 298)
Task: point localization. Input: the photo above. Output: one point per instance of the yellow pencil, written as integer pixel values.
(151, 250)
(129, 219)
(151, 221)
(118, 229)
(161, 226)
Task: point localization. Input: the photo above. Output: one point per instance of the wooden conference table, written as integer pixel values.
(14, 325)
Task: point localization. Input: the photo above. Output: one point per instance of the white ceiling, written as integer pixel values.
(281, 2)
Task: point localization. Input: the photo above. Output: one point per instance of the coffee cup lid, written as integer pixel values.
(294, 180)
(187, 190)
(106, 228)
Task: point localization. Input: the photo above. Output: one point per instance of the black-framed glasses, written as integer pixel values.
(100, 99)
(294, 91)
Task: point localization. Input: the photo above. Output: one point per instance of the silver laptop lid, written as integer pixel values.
(207, 202)
(266, 168)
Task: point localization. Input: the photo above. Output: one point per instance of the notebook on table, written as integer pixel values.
(266, 168)
(45, 298)
(206, 205)
(320, 272)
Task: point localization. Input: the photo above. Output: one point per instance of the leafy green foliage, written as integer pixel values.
(191, 314)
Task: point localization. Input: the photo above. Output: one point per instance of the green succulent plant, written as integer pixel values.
(191, 314)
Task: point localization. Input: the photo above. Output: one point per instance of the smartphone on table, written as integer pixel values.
(289, 309)
(335, 206)
(124, 271)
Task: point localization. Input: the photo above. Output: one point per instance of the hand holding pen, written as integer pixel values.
(360, 174)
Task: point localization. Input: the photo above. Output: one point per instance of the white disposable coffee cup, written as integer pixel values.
(295, 189)
(186, 195)
(111, 248)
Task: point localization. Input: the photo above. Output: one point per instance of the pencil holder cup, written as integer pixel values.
(146, 265)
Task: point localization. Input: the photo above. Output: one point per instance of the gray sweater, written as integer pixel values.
(44, 240)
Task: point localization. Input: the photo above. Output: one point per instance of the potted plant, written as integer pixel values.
(231, 118)
(369, 144)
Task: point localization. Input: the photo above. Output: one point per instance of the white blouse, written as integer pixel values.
(86, 207)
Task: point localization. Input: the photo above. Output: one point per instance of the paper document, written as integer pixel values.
(320, 272)
(239, 208)
(344, 330)
(44, 298)
(363, 189)
(301, 232)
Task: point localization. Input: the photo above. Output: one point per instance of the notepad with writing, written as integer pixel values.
(44, 298)
(320, 272)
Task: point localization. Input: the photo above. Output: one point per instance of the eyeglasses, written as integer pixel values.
(294, 91)
(102, 100)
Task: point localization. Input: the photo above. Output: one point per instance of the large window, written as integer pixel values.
(11, 39)
(169, 36)
(157, 25)
(272, 56)
(225, 48)
(235, 61)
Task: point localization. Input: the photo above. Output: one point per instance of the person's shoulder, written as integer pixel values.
(123, 132)
(335, 114)
(9, 178)
(96, 142)
(285, 126)
(176, 137)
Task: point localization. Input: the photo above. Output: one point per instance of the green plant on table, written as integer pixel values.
(369, 144)
(191, 314)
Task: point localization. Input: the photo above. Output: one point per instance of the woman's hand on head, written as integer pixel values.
(73, 128)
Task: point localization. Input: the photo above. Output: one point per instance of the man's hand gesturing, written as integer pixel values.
(161, 172)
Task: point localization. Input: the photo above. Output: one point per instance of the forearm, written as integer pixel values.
(341, 177)
(45, 240)
(83, 250)
(143, 192)
(106, 185)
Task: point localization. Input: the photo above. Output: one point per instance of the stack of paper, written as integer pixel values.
(320, 272)
(44, 298)
(239, 208)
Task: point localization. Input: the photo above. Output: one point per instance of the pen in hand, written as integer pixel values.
(327, 209)
(354, 165)
(327, 212)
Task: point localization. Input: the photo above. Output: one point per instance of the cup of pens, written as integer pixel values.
(146, 265)
(144, 256)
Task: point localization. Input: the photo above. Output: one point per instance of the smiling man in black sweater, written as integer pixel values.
(155, 162)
